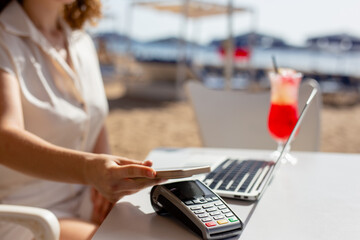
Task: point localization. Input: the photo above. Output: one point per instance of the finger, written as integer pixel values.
(113, 198)
(105, 205)
(93, 194)
(161, 180)
(130, 185)
(95, 213)
(126, 161)
(97, 207)
(156, 180)
(105, 209)
(147, 163)
(134, 171)
(137, 184)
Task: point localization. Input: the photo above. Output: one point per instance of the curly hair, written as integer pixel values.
(79, 12)
(76, 14)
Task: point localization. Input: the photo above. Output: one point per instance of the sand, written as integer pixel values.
(136, 126)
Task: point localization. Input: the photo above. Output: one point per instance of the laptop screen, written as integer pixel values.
(288, 142)
(296, 127)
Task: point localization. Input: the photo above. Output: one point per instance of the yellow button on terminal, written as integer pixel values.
(222, 221)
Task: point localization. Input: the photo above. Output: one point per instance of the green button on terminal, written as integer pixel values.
(233, 219)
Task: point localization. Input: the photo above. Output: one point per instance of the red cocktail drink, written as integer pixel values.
(282, 120)
(283, 112)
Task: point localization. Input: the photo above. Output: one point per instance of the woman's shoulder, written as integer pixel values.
(81, 36)
(83, 43)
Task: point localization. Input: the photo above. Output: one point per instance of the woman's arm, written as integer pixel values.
(27, 153)
(23, 151)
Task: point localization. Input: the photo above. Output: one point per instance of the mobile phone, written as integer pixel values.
(171, 173)
(198, 207)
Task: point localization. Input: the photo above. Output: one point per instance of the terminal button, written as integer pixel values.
(208, 206)
(200, 211)
(196, 208)
(218, 217)
(215, 213)
(210, 224)
(222, 221)
(211, 209)
(207, 219)
(233, 219)
(222, 207)
(202, 215)
(199, 200)
(225, 211)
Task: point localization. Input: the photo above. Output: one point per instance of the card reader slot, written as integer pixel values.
(225, 234)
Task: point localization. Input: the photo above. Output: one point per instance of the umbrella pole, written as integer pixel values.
(181, 59)
(229, 60)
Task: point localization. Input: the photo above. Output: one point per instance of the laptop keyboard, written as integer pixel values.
(237, 175)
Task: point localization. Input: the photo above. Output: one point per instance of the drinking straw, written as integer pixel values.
(274, 64)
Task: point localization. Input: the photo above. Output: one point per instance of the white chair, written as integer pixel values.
(43, 223)
(238, 119)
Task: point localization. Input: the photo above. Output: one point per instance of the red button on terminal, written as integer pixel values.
(210, 224)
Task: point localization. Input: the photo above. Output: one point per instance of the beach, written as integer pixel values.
(136, 126)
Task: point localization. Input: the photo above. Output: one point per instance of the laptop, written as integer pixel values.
(247, 179)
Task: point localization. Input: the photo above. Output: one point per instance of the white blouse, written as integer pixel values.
(65, 105)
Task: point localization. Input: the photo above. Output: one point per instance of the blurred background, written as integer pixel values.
(147, 49)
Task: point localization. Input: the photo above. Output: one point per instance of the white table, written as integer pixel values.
(318, 198)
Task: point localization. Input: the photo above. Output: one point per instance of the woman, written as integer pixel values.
(52, 108)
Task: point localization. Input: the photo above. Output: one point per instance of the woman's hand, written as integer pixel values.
(114, 177)
(101, 207)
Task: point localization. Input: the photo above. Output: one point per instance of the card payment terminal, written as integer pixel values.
(198, 207)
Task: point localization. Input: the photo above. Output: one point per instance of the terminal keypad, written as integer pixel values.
(211, 211)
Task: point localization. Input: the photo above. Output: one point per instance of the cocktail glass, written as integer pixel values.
(283, 113)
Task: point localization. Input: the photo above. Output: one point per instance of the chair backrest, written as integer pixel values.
(238, 119)
(41, 222)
